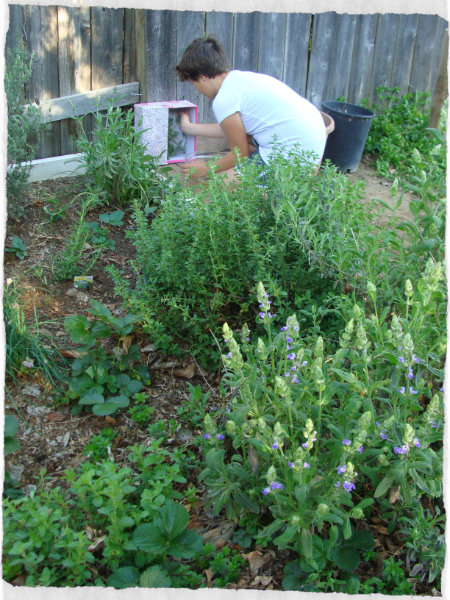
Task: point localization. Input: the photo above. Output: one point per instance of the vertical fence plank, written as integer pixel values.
(245, 43)
(74, 62)
(441, 31)
(190, 26)
(107, 46)
(42, 34)
(423, 54)
(220, 25)
(363, 54)
(384, 52)
(160, 54)
(404, 50)
(322, 48)
(340, 62)
(272, 36)
(14, 32)
(129, 46)
(298, 29)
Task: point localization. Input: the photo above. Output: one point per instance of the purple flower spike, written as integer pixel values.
(306, 465)
(265, 491)
(270, 315)
(283, 328)
(401, 390)
(275, 446)
(434, 424)
(410, 374)
(341, 470)
(346, 442)
(229, 355)
(413, 391)
(415, 358)
(337, 484)
(295, 379)
(378, 423)
(276, 486)
(401, 359)
(305, 445)
(288, 339)
(261, 315)
(417, 443)
(207, 436)
(348, 486)
(304, 363)
(442, 389)
(291, 356)
(220, 436)
(360, 449)
(287, 374)
(402, 449)
(383, 436)
(290, 464)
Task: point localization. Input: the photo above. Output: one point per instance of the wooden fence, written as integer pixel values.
(321, 56)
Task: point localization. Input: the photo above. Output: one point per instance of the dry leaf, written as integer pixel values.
(110, 420)
(70, 353)
(394, 495)
(253, 459)
(209, 575)
(187, 372)
(96, 544)
(55, 416)
(262, 580)
(126, 342)
(256, 561)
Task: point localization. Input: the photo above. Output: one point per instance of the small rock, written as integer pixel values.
(32, 390)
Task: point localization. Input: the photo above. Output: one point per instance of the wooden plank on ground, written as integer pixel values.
(42, 34)
(74, 69)
(245, 43)
(298, 29)
(190, 26)
(74, 105)
(404, 50)
(322, 49)
(160, 55)
(107, 46)
(219, 25)
(341, 59)
(272, 36)
(57, 166)
(363, 53)
(384, 52)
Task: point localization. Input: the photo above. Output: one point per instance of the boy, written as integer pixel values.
(251, 109)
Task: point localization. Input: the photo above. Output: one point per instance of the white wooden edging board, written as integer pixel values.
(76, 105)
(55, 167)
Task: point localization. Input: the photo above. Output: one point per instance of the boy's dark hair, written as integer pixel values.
(204, 56)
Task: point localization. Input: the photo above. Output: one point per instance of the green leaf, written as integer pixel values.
(11, 426)
(383, 487)
(100, 330)
(124, 577)
(110, 406)
(185, 545)
(174, 519)
(155, 577)
(346, 559)
(10, 445)
(287, 536)
(134, 386)
(306, 543)
(334, 532)
(91, 398)
(149, 538)
(347, 529)
(17, 247)
(362, 539)
(78, 328)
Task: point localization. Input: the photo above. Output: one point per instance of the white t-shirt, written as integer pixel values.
(269, 108)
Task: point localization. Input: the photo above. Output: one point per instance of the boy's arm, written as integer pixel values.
(234, 131)
(210, 130)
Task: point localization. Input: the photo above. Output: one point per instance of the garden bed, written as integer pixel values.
(53, 440)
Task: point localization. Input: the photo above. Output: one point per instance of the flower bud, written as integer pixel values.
(230, 427)
(322, 510)
(271, 474)
(295, 520)
(357, 513)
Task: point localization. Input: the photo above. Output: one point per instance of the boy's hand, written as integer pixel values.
(185, 121)
(194, 169)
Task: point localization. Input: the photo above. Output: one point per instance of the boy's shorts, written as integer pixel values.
(256, 158)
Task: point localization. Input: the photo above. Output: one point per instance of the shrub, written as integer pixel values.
(199, 262)
(24, 127)
(117, 168)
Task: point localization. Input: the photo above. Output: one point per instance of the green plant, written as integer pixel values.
(140, 412)
(11, 428)
(40, 542)
(68, 262)
(99, 380)
(24, 127)
(193, 410)
(226, 566)
(28, 348)
(117, 168)
(424, 537)
(307, 429)
(17, 247)
(55, 210)
(97, 449)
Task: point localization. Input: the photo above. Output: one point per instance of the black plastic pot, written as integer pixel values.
(346, 143)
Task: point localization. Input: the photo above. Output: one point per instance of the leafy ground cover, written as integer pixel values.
(281, 429)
